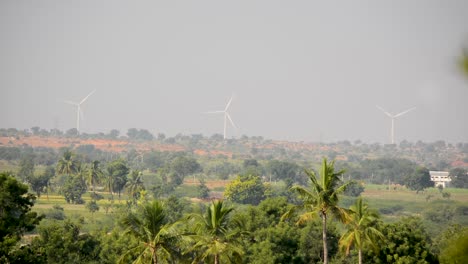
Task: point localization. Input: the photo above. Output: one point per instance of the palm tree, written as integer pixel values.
(135, 184)
(95, 174)
(67, 164)
(361, 228)
(217, 234)
(321, 199)
(157, 238)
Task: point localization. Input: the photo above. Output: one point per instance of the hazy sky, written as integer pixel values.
(299, 70)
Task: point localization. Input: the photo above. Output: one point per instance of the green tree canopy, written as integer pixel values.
(218, 235)
(15, 212)
(246, 190)
(321, 199)
(419, 180)
(158, 239)
(117, 175)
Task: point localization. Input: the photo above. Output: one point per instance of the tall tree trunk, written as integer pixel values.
(216, 260)
(360, 256)
(324, 237)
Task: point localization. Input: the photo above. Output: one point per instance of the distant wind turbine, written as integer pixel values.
(392, 131)
(226, 116)
(79, 112)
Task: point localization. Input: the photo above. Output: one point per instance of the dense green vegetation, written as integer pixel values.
(374, 204)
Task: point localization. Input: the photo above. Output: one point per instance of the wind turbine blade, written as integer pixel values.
(228, 104)
(404, 112)
(82, 101)
(230, 120)
(385, 112)
(214, 112)
(70, 102)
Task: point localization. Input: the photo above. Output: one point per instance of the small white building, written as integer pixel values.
(440, 178)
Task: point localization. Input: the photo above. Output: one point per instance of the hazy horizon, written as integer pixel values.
(299, 71)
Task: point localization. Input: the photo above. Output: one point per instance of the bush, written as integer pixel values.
(354, 189)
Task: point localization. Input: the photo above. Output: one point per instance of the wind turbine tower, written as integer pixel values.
(226, 116)
(79, 112)
(393, 117)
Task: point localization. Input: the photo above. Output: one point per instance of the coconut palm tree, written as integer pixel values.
(94, 174)
(217, 235)
(68, 164)
(321, 199)
(157, 238)
(361, 229)
(135, 184)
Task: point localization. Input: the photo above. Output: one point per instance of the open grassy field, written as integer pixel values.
(392, 204)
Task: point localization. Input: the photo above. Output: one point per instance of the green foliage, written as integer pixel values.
(321, 198)
(361, 229)
(439, 213)
(310, 250)
(453, 247)
(246, 190)
(68, 164)
(354, 189)
(276, 244)
(39, 183)
(139, 134)
(217, 235)
(203, 191)
(459, 178)
(135, 184)
(383, 170)
(73, 189)
(61, 242)
(117, 175)
(92, 206)
(182, 166)
(406, 241)
(289, 172)
(157, 237)
(56, 213)
(419, 180)
(94, 174)
(15, 215)
(26, 167)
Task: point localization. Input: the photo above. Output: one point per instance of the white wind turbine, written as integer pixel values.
(392, 131)
(226, 116)
(79, 112)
